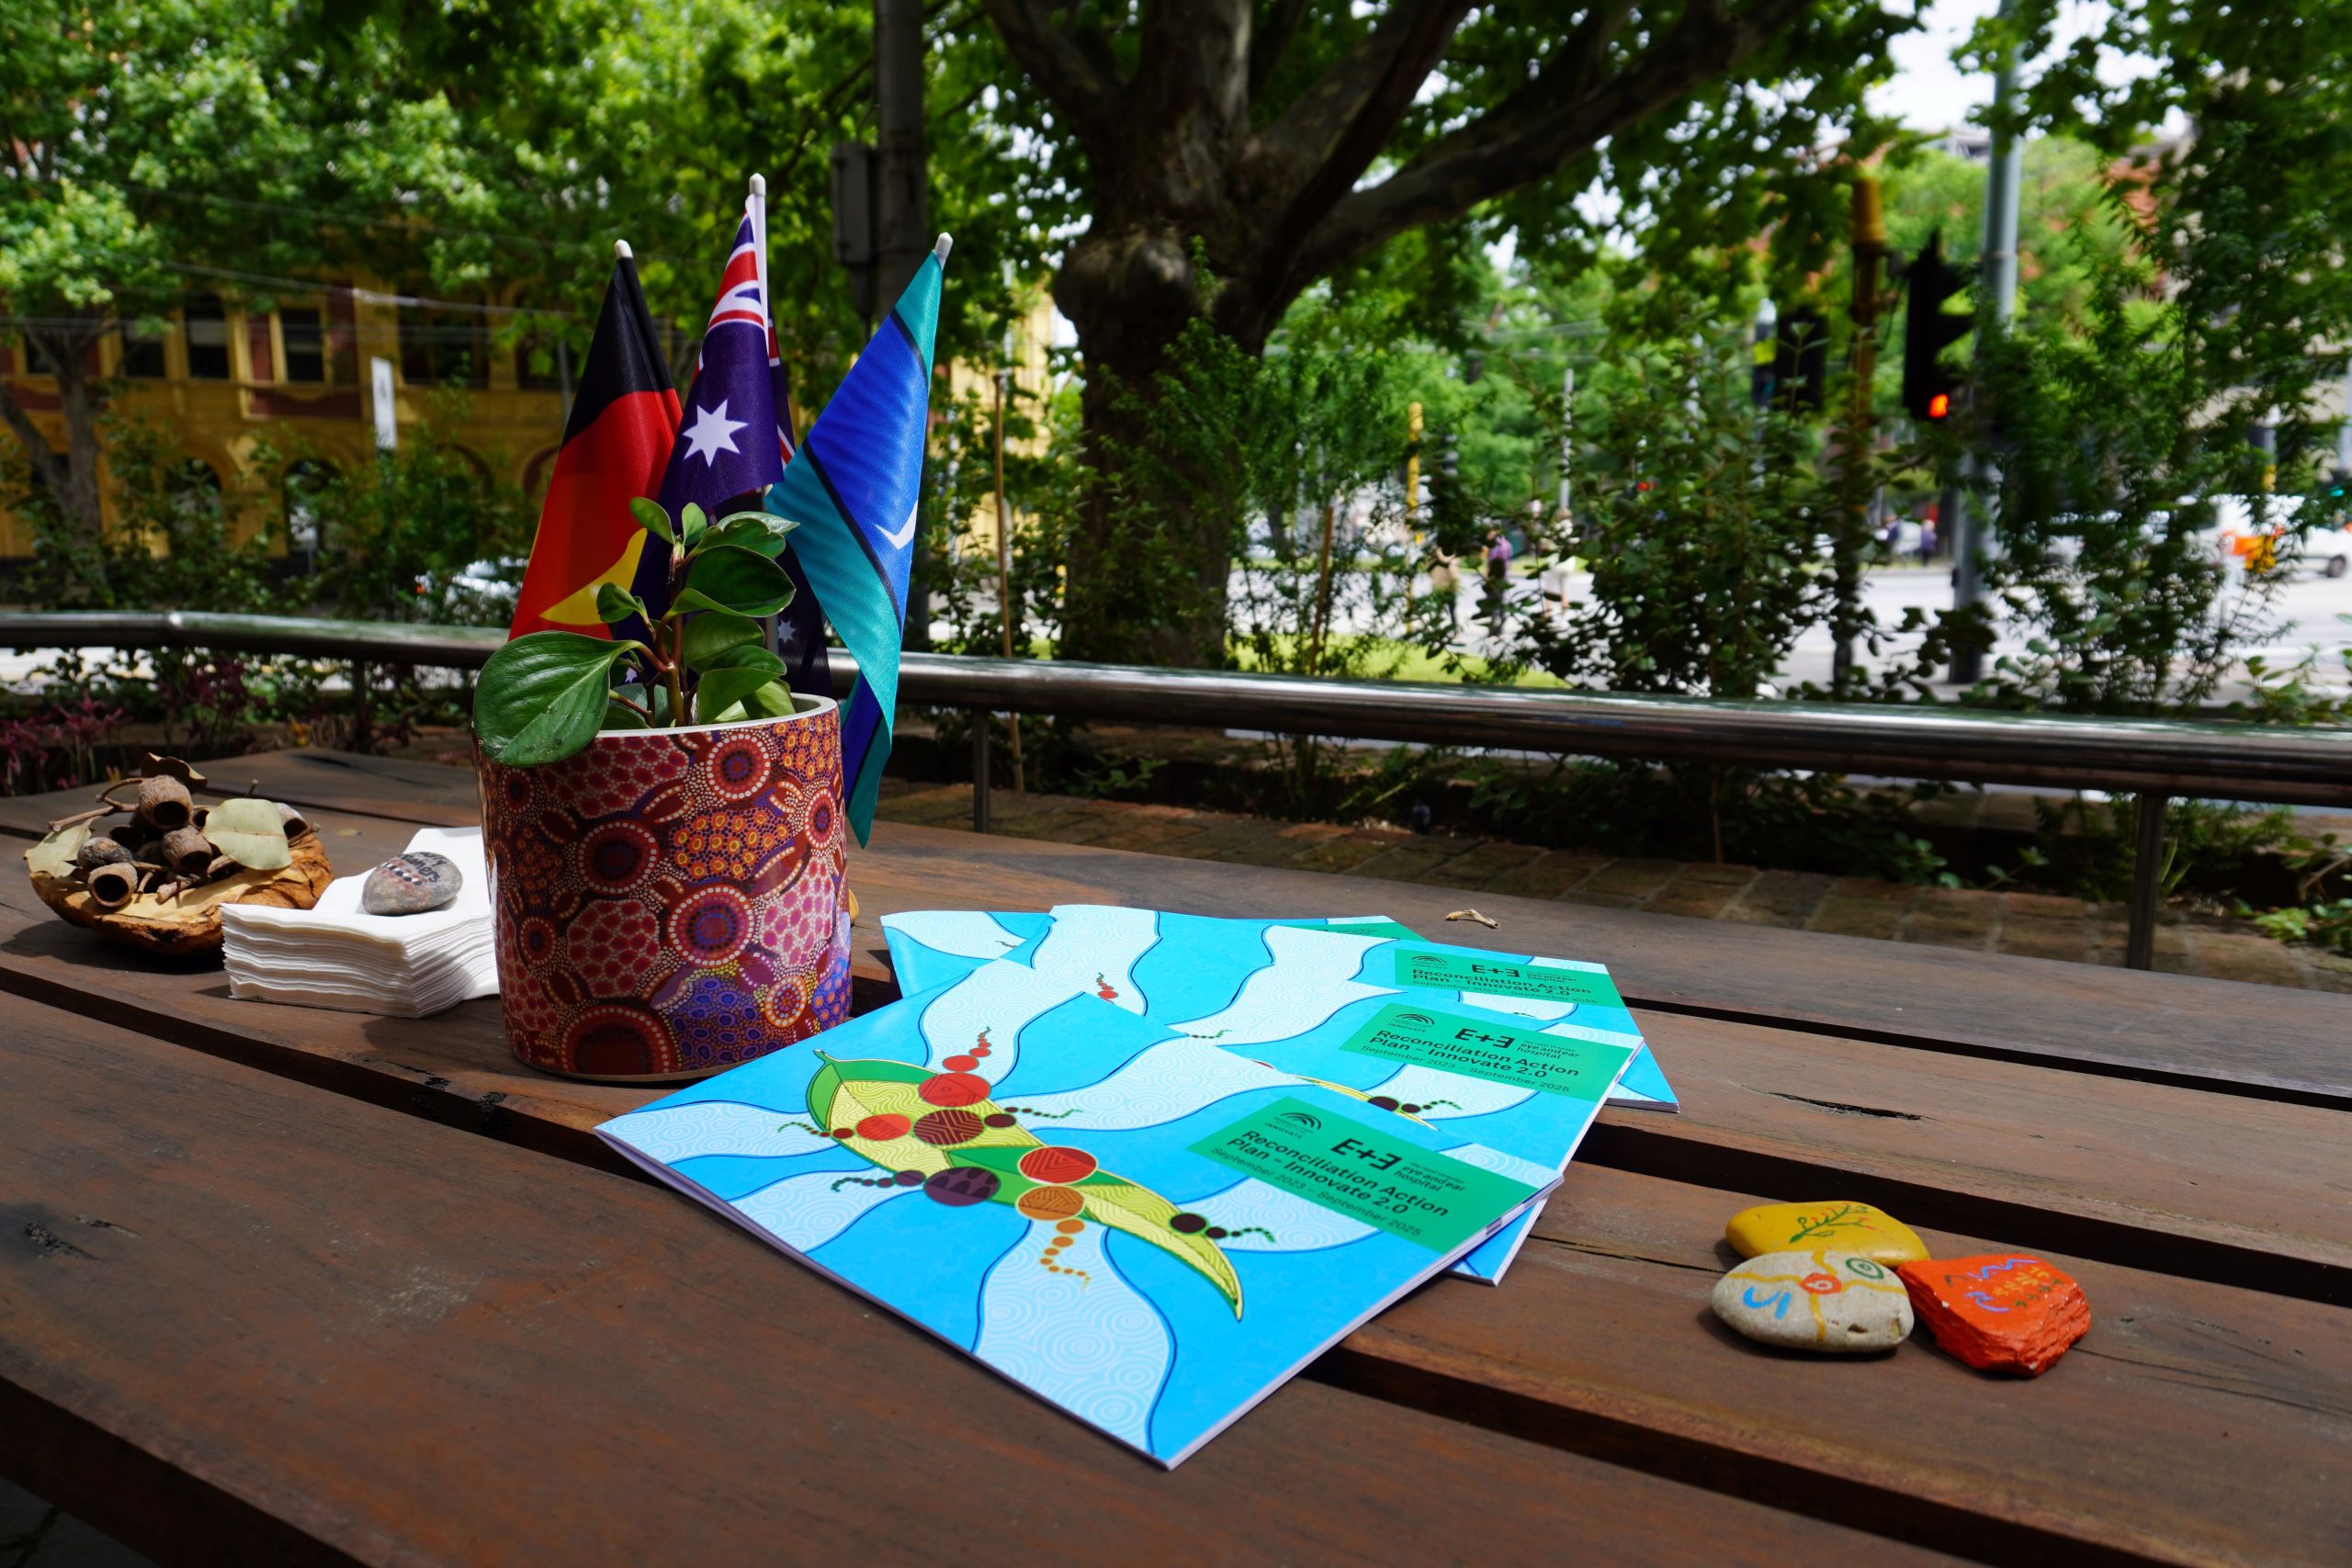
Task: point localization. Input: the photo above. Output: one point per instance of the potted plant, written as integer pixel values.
(662, 822)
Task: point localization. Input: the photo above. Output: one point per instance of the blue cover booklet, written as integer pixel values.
(1155, 969)
(1138, 1227)
(1318, 999)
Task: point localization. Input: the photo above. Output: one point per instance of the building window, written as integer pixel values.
(305, 331)
(208, 337)
(441, 347)
(142, 351)
(193, 488)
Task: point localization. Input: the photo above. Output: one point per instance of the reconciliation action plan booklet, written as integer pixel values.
(1163, 964)
(1149, 1232)
(1320, 1000)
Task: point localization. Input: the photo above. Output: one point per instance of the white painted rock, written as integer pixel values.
(1835, 1302)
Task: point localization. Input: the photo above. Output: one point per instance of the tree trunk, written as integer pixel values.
(70, 477)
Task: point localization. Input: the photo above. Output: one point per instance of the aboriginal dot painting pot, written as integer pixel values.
(671, 902)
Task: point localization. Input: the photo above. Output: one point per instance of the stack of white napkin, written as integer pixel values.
(336, 955)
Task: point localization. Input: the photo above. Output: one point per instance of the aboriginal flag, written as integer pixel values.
(616, 448)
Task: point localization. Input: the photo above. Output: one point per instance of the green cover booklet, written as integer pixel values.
(1139, 1227)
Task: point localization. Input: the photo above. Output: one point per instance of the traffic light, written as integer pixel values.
(1799, 360)
(1928, 329)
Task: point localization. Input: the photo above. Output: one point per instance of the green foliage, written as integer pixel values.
(542, 697)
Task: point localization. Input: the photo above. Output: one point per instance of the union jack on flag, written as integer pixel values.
(726, 445)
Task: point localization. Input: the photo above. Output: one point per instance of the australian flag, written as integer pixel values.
(852, 489)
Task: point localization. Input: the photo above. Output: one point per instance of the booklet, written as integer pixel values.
(1286, 994)
(1146, 1231)
(931, 947)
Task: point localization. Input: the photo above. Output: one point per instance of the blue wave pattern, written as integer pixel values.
(1121, 1333)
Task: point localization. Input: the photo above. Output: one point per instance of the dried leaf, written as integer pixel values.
(158, 767)
(54, 856)
(250, 832)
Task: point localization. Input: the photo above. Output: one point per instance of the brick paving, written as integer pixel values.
(2036, 925)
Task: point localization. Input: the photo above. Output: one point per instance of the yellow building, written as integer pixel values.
(239, 387)
(222, 376)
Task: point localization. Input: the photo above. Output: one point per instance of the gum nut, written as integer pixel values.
(112, 886)
(164, 804)
(185, 851)
(295, 823)
(95, 853)
(221, 866)
(130, 834)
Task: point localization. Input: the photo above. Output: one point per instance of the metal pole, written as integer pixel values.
(1005, 609)
(1845, 543)
(2003, 176)
(2147, 861)
(979, 769)
(903, 235)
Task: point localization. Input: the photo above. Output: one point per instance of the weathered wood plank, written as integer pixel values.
(2263, 1041)
(247, 1321)
(2211, 1187)
(2197, 1423)
(2260, 1040)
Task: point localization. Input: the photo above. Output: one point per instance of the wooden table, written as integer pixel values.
(288, 1285)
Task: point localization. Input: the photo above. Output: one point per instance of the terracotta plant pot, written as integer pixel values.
(671, 902)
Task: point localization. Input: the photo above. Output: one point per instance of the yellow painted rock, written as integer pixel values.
(1808, 1227)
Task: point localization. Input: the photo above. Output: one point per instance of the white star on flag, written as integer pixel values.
(711, 431)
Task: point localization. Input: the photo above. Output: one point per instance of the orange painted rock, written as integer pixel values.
(2001, 1312)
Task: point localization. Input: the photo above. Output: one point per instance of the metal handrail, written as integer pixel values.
(2155, 759)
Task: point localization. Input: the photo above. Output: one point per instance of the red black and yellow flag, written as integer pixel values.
(616, 448)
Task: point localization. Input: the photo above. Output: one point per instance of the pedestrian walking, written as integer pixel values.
(1498, 554)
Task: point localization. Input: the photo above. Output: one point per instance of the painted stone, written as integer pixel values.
(411, 884)
(1839, 1303)
(1840, 1226)
(670, 902)
(2003, 1312)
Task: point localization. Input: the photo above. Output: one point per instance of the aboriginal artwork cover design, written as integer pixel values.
(1297, 994)
(1066, 1192)
(930, 947)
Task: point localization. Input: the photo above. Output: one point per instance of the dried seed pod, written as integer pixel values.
(95, 853)
(130, 834)
(222, 865)
(112, 886)
(198, 818)
(164, 804)
(296, 823)
(187, 851)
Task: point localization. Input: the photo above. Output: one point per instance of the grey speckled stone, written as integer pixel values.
(1835, 1302)
(411, 884)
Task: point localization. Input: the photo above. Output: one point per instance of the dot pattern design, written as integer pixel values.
(671, 902)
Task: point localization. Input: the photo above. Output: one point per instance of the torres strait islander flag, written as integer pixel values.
(852, 487)
(616, 447)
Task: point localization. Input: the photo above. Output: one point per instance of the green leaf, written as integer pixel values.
(54, 856)
(251, 832)
(748, 656)
(712, 632)
(692, 521)
(721, 690)
(758, 531)
(619, 715)
(741, 582)
(652, 519)
(616, 604)
(771, 701)
(542, 697)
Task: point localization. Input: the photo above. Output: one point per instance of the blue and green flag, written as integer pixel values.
(854, 487)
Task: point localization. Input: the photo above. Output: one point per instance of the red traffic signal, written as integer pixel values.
(1928, 329)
